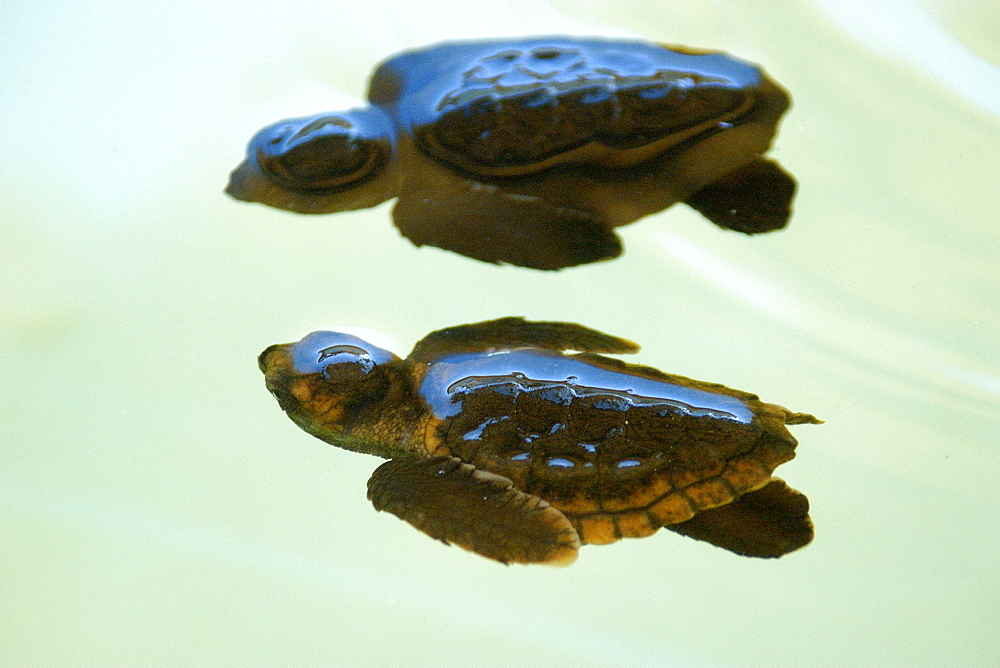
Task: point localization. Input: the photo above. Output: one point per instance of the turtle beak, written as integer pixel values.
(262, 359)
(281, 378)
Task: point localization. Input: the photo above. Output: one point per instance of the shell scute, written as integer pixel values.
(744, 474)
(597, 529)
(671, 509)
(636, 524)
(708, 494)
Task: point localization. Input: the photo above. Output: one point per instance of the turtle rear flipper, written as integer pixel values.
(482, 512)
(767, 523)
(755, 198)
(486, 223)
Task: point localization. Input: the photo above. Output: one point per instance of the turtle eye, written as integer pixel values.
(325, 154)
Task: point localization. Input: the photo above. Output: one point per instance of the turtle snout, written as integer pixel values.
(262, 360)
(281, 380)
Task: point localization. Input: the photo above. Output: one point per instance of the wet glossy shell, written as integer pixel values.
(615, 469)
(525, 105)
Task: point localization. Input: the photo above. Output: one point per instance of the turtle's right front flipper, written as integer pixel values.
(479, 511)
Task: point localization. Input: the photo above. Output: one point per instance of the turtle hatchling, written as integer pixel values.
(531, 151)
(502, 443)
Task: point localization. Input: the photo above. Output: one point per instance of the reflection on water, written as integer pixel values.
(156, 506)
(530, 151)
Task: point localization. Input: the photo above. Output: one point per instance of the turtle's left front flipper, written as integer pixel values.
(479, 511)
(755, 198)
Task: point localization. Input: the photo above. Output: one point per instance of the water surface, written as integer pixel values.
(157, 507)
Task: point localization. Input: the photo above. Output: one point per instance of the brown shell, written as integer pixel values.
(615, 470)
(521, 106)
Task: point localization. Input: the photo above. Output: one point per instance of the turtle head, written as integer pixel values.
(319, 164)
(325, 378)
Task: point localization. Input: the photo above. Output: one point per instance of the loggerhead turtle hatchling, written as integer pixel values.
(501, 443)
(530, 151)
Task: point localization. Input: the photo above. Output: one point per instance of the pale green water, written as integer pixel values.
(157, 507)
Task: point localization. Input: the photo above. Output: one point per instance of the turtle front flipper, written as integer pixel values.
(511, 332)
(485, 222)
(755, 198)
(767, 523)
(457, 503)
